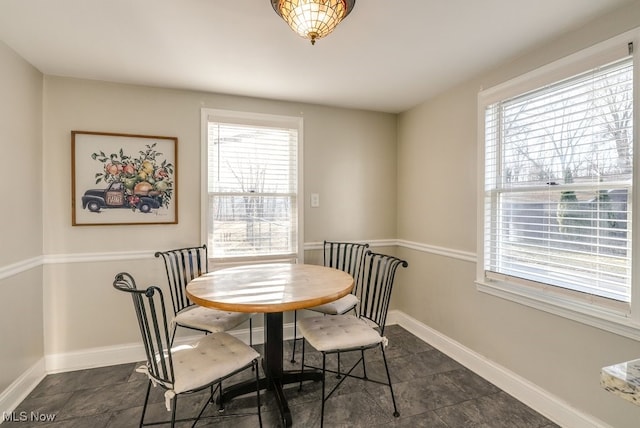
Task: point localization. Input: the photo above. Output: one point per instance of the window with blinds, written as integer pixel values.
(252, 183)
(558, 181)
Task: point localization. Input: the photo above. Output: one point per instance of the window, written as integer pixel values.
(558, 176)
(252, 181)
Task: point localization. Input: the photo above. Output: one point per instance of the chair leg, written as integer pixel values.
(211, 400)
(364, 365)
(393, 398)
(221, 404)
(173, 335)
(302, 365)
(173, 411)
(146, 400)
(255, 367)
(324, 367)
(295, 324)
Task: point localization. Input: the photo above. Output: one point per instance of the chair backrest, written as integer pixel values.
(374, 288)
(152, 320)
(346, 256)
(182, 265)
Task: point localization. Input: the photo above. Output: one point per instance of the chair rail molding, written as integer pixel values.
(98, 257)
(310, 246)
(34, 262)
(466, 256)
(21, 266)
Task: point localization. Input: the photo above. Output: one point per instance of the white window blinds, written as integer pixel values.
(252, 188)
(558, 179)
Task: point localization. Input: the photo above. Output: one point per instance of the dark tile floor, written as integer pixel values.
(431, 390)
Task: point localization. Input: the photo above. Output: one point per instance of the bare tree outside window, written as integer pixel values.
(563, 163)
(252, 194)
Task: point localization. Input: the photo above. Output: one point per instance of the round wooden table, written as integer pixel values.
(270, 289)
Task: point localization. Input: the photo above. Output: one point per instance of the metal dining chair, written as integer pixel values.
(348, 257)
(360, 332)
(183, 265)
(187, 368)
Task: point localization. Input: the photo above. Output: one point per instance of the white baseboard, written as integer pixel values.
(525, 391)
(11, 397)
(122, 354)
(94, 357)
(532, 395)
(132, 352)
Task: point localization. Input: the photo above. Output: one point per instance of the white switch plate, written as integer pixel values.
(315, 200)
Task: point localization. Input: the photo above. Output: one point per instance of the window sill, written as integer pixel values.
(219, 263)
(604, 318)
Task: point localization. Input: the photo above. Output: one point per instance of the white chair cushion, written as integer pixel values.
(340, 306)
(212, 357)
(338, 332)
(211, 320)
(202, 362)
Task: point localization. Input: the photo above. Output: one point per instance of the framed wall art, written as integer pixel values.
(123, 179)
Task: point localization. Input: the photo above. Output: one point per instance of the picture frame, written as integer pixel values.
(123, 179)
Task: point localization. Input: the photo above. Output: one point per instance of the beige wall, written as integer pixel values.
(349, 159)
(21, 137)
(21, 215)
(437, 206)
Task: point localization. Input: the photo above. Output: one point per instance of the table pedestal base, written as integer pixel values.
(274, 385)
(275, 377)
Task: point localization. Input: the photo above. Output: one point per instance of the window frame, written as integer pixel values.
(616, 317)
(261, 119)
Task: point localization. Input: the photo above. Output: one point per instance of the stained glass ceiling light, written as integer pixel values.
(313, 19)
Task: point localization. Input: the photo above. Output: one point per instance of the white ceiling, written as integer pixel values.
(388, 55)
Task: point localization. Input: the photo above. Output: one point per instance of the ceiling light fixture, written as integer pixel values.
(313, 19)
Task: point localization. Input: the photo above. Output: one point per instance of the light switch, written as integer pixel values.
(315, 200)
